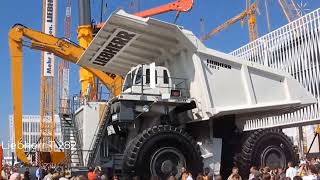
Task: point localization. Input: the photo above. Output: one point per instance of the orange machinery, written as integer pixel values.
(67, 51)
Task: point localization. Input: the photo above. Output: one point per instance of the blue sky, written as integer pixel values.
(29, 13)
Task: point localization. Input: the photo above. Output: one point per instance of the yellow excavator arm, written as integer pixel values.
(60, 47)
(68, 51)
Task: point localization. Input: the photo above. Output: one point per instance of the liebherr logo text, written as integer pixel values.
(216, 65)
(118, 42)
(49, 11)
(49, 28)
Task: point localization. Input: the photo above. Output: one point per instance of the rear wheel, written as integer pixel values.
(161, 151)
(270, 147)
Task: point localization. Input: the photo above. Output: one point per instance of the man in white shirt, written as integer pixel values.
(291, 171)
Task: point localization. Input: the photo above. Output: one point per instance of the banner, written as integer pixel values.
(49, 28)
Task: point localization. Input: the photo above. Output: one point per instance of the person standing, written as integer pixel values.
(235, 171)
(189, 176)
(171, 177)
(98, 171)
(49, 175)
(26, 174)
(184, 174)
(91, 175)
(206, 173)
(4, 174)
(281, 173)
(236, 177)
(15, 174)
(253, 172)
(291, 171)
(311, 173)
(39, 173)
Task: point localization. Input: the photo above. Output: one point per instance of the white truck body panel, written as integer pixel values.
(219, 83)
(87, 119)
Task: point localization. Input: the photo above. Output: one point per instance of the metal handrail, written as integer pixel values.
(176, 84)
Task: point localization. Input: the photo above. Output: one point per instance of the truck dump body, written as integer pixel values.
(219, 83)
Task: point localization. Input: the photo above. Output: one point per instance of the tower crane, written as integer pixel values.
(249, 12)
(68, 51)
(64, 68)
(289, 9)
(46, 141)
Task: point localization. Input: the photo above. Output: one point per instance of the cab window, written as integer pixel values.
(139, 76)
(128, 82)
(165, 77)
(148, 76)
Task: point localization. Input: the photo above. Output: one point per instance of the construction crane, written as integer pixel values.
(249, 12)
(44, 42)
(289, 9)
(68, 51)
(46, 145)
(64, 67)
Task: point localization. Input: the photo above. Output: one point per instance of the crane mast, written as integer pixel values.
(47, 84)
(64, 67)
(289, 9)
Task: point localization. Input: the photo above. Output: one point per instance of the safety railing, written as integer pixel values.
(64, 106)
(163, 85)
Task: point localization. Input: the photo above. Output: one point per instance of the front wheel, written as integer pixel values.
(160, 151)
(269, 147)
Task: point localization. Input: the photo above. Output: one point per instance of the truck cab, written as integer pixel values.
(151, 80)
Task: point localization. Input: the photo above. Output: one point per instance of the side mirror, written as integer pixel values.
(152, 75)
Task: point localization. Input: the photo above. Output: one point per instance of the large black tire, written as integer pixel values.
(269, 147)
(160, 151)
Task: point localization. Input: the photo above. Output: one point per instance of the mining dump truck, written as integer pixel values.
(184, 105)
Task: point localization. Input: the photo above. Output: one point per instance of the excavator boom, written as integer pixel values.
(180, 6)
(60, 47)
(68, 51)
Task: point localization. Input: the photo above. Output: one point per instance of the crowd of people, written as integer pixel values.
(13, 173)
(306, 170)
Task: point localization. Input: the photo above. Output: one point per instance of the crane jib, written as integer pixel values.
(119, 40)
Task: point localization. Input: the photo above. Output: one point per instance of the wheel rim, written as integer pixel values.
(166, 161)
(273, 157)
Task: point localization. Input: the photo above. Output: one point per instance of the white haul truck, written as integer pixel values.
(183, 104)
